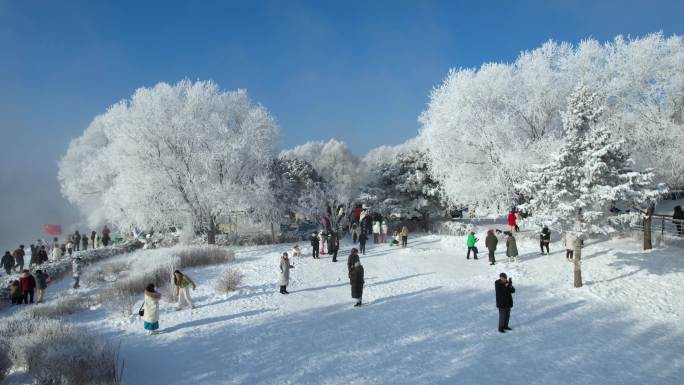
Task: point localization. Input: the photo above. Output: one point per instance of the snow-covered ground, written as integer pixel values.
(429, 318)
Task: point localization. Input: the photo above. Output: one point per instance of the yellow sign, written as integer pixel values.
(227, 228)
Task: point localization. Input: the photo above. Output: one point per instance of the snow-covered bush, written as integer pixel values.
(56, 352)
(451, 228)
(5, 361)
(62, 306)
(229, 280)
(203, 256)
(119, 299)
(106, 272)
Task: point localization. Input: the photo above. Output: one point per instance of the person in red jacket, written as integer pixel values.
(27, 284)
(512, 221)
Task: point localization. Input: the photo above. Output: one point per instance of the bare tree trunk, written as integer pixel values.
(648, 245)
(211, 235)
(577, 256)
(273, 238)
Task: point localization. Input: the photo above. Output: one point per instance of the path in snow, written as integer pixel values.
(430, 318)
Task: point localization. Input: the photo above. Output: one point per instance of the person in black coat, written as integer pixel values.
(504, 300)
(362, 242)
(333, 245)
(545, 239)
(352, 259)
(356, 280)
(314, 245)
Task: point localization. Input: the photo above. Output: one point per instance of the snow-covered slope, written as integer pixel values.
(429, 318)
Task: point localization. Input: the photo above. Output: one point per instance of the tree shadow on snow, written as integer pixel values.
(429, 336)
(658, 261)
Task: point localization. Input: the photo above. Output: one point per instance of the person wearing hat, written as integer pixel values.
(504, 300)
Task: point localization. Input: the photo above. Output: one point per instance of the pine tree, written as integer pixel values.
(591, 174)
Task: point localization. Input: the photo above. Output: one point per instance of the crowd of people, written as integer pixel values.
(32, 278)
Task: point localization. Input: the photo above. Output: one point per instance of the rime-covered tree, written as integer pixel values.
(335, 163)
(174, 155)
(298, 188)
(591, 174)
(484, 128)
(404, 186)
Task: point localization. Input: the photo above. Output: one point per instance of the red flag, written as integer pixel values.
(52, 229)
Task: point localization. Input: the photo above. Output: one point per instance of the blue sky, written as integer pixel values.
(359, 71)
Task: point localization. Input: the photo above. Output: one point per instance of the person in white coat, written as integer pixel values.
(376, 231)
(285, 273)
(151, 310)
(56, 253)
(383, 231)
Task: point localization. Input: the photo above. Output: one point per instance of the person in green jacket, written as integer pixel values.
(183, 283)
(471, 245)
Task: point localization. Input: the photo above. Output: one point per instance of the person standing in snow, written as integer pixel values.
(356, 280)
(322, 238)
(77, 240)
(334, 245)
(285, 273)
(354, 232)
(182, 283)
(151, 309)
(504, 290)
(70, 247)
(545, 239)
(93, 235)
(383, 231)
(28, 285)
(376, 232)
(678, 219)
(511, 248)
(56, 253)
(19, 258)
(490, 242)
(404, 235)
(7, 262)
(362, 242)
(352, 259)
(512, 221)
(106, 235)
(314, 245)
(570, 246)
(42, 280)
(84, 242)
(42, 255)
(470, 242)
(15, 293)
(34, 255)
(76, 267)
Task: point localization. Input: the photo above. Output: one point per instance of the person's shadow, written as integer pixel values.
(211, 320)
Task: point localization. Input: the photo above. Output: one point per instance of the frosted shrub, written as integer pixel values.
(119, 299)
(204, 256)
(108, 272)
(5, 361)
(229, 280)
(57, 353)
(61, 306)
